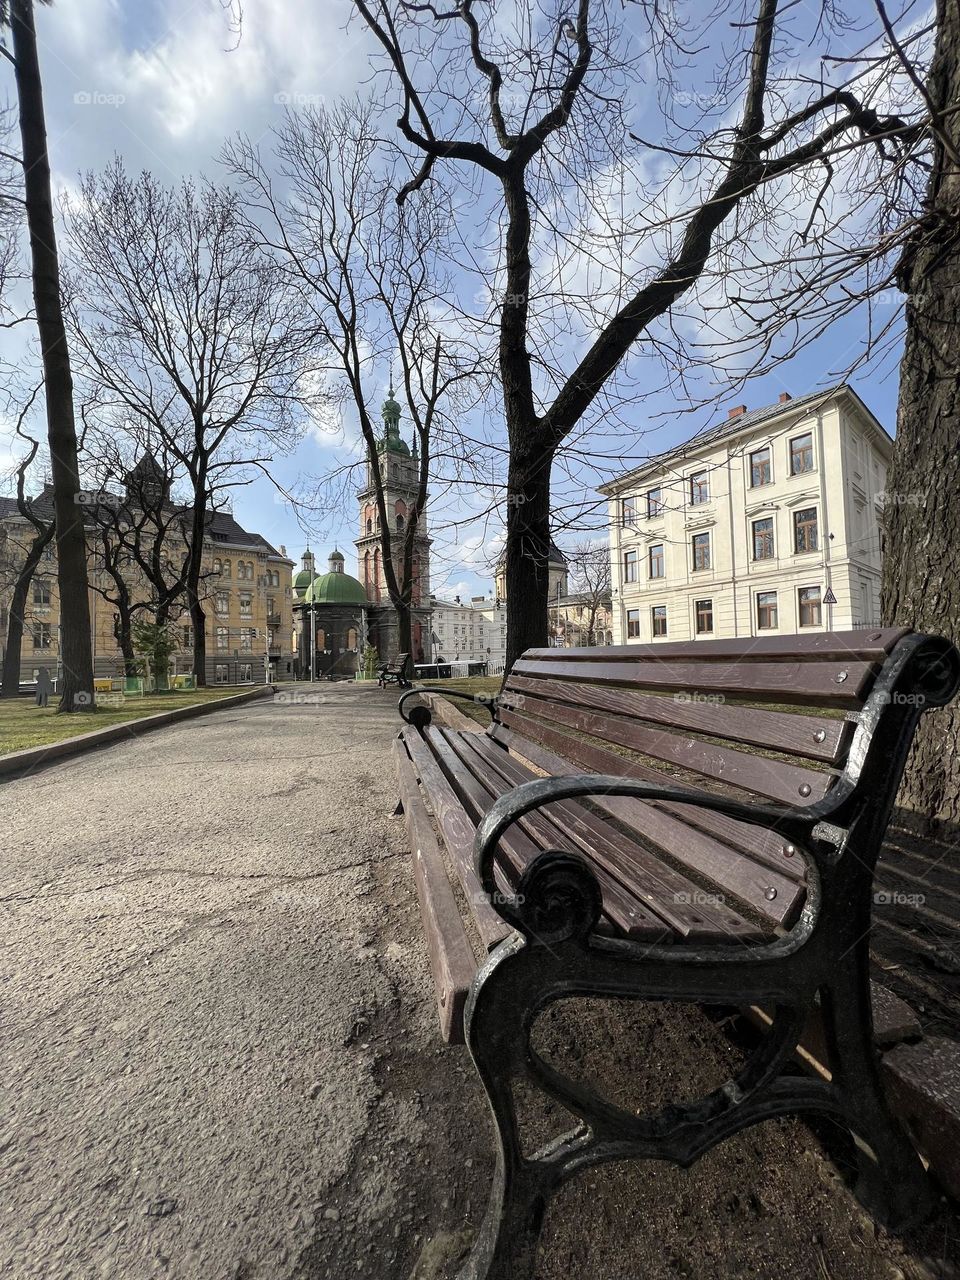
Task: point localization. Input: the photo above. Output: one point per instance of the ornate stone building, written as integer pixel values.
(246, 584)
(348, 613)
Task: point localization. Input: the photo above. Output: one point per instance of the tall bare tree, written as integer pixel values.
(76, 649)
(589, 566)
(374, 283)
(540, 115)
(921, 584)
(22, 550)
(185, 329)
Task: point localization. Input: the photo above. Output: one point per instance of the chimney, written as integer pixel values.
(785, 396)
(736, 411)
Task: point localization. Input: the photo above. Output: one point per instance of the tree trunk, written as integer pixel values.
(198, 618)
(527, 554)
(404, 630)
(13, 651)
(75, 639)
(123, 630)
(921, 585)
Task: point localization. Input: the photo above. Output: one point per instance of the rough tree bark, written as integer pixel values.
(75, 642)
(10, 687)
(921, 584)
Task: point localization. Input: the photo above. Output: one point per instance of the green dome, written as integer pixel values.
(335, 588)
(301, 582)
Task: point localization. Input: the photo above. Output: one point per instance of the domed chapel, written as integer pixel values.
(348, 613)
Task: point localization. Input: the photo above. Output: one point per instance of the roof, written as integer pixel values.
(734, 426)
(222, 529)
(335, 588)
(556, 556)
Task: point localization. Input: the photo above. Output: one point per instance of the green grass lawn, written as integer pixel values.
(487, 685)
(23, 724)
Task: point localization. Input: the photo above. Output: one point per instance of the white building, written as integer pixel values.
(495, 615)
(766, 524)
(458, 631)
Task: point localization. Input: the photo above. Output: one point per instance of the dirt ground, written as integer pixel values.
(771, 1203)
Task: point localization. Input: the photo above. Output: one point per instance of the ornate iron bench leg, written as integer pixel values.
(892, 1184)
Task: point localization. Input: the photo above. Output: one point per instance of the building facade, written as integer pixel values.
(580, 621)
(767, 524)
(400, 472)
(246, 596)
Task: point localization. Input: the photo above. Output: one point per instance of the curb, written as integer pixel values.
(16, 762)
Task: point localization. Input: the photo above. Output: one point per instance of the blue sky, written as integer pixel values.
(164, 84)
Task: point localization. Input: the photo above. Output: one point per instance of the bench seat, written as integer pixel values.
(696, 821)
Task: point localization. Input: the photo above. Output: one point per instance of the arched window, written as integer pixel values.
(369, 526)
(216, 566)
(321, 638)
(226, 568)
(399, 523)
(352, 638)
(376, 573)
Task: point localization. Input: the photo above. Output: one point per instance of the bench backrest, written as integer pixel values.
(759, 718)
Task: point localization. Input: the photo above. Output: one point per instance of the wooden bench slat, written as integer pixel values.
(757, 843)
(683, 903)
(730, 867)
(627, 913)
(458, 836)
(452, 961)
(523, 842)
(775, 779)
(863, 643)
(839, 682)
(815, 737)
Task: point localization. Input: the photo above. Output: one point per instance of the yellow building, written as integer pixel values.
(247, 598)
(767, 524)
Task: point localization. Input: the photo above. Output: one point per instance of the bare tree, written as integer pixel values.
(589, 566)
(75, 645)
(374, 284)
(22, 551)
(540, 112)
(187, 331)
(921, 585)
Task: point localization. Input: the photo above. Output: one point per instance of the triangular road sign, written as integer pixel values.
(829, 598)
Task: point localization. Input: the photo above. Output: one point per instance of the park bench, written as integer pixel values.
(682, 821)
(395, 672)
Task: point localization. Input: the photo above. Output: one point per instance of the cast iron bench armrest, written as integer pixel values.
(490, 703)
(794, 825)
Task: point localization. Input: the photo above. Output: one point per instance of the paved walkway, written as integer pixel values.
(220, 1058)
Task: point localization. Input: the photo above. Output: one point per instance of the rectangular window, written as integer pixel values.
(703, 613)
(801, 454)
(701, 551)
(223, 638)
(655, 560)
(805, 530)
(245, 672)
(629, 511)
(41, 591)
(699, 488)
(766, 610)
(186, 638)
(221, 673)
(630, 565)
(226, 568)
(221, 602)
(658, 620)
(654, 503)
(41, 635)
(761, 467)
(633, 624)
(246, 606)
(809, 606)
(246, 639)
(763, 538)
